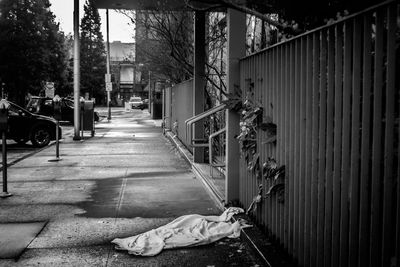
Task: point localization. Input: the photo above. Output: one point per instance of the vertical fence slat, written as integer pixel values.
(271, 67)
(273, 116)
(241, 187)
(302, 122)
(253, 72)
(344, 216)
(397, 253)
(388, 229)
(365, 147)
(315, 149)
(282, 109)
(263, 151)
(291, 161)
(337, 144)
(376, 203)
(308, 164)
(322, 150)
(355, 143)
(329, 147)
(398, 196)
(297, 148)
(287, 131)
(257, 93)
(246, 172)
(265, 185)
(253, 179)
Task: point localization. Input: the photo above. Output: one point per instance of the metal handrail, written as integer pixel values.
(210, 150)
(189, 123)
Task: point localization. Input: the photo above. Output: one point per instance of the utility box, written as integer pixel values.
(87, 116)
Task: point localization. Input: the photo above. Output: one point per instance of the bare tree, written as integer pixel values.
(164, 41)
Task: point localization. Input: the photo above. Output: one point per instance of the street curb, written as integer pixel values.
(181, 148)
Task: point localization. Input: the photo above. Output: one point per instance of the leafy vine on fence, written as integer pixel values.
(251, 121)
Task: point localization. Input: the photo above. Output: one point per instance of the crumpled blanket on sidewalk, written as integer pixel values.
(185, 231)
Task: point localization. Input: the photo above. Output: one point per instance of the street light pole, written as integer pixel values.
(108, 66)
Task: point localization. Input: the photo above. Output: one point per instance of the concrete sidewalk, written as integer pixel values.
(126, 180)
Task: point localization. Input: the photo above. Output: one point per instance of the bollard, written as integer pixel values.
(4, 105)
(57, 117)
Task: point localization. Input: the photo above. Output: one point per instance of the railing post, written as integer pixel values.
(199, 80)
(236, 26)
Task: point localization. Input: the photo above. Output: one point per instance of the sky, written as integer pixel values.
(119, 28)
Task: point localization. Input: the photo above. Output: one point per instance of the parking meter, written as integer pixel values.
(57, 116)
(57, 107)
(4, 106)
(82, 105)
(82, 102)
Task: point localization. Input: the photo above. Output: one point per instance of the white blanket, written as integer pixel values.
(185, 231)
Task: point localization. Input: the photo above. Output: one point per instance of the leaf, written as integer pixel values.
(234, 101)
(254, 162)
(279, 172)
(275, 188)
(269, 140)
(268, 127)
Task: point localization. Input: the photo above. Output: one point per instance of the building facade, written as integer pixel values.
(126, 74)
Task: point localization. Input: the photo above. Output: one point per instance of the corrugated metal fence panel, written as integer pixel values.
(334, 95)
(167, 107)
(181, 108)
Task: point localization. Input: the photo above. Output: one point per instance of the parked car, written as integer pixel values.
(44, 106)
(24, 126)
(145, 104)
(136, 102)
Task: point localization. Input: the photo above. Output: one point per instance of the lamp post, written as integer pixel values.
(108, 67)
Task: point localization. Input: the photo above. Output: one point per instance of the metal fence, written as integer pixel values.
(178, 108)
(333, 94)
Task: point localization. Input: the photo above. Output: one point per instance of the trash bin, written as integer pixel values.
(87, 116)
(156, 110)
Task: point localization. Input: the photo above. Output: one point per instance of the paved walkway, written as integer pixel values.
(126, 180)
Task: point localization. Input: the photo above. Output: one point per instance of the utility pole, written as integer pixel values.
(108, 66)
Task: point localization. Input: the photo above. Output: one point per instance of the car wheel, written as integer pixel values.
(40, 136)
(96, 116)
